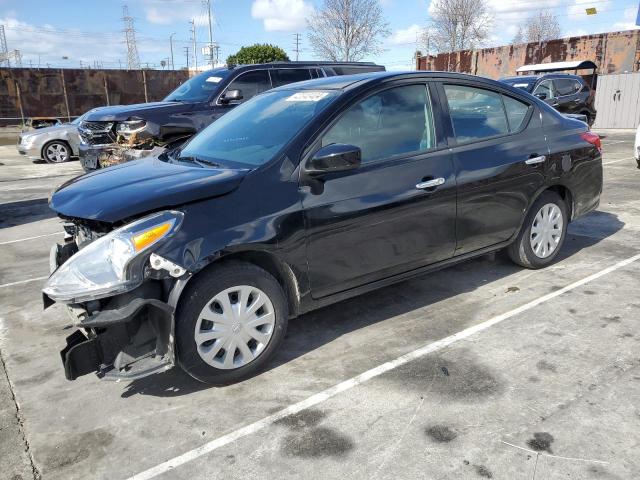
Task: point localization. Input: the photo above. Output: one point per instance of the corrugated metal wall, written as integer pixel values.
(613, 52)
(42, 91)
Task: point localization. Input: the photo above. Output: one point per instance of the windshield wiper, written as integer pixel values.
(199, 161)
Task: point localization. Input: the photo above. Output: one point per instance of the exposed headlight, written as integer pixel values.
(112, 264)
(131, 126)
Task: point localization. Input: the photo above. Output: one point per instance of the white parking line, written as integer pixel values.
(23, 281)
(363, 377)
(613, 142)
(30, 238)
(619, 160)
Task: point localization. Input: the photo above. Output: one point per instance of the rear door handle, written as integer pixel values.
(535, 160)
(435, 182)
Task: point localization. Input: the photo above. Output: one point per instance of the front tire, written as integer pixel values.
(542, 234)
(232, 318)
(56, 152)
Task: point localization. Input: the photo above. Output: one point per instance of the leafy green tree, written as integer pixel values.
(258, 53)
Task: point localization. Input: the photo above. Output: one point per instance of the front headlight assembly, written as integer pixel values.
(112, 264)
(130, 126)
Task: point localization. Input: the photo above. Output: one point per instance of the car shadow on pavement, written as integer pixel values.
(25, 211)
(320, 327)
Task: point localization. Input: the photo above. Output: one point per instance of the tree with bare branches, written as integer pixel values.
(541, 27)
(459, 24)
(347, 30)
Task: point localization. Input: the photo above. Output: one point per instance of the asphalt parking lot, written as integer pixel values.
(483, 370)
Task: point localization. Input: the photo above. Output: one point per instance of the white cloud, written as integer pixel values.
(578, 11)
(405, 36)
(629, 22)
(177, 11)
(281, 15)
(45, 44)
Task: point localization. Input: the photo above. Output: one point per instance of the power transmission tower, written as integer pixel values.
(133, 59)
(193, 39)
(296, 48)
(4, 51)
(18, 58)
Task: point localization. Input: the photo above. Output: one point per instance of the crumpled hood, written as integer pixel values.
(120, 113)
(130, 189)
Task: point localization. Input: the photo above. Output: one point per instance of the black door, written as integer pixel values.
(500, 157)
(381, 219)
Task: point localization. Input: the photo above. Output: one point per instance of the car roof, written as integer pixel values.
(346, 82)
(302, 64)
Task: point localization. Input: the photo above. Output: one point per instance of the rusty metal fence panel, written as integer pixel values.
(68, 93)
(618, 101)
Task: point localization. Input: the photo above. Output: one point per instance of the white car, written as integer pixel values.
(636, 147)
(55, 144)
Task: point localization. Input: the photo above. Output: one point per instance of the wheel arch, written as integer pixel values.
(565, 194)
(269, 262)
(53, 140)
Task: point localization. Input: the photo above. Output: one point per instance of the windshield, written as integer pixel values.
(523, 83)
(254, 132)
(199, 88)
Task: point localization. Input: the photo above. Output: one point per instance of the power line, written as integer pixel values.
(133, 59)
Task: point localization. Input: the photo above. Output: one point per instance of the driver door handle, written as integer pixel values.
(436, 182)
(535, 160)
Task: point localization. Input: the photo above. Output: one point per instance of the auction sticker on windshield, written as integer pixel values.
(307, 96)
(213, 79)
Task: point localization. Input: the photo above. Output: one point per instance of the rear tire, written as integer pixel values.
(542, 234)
(215, 317)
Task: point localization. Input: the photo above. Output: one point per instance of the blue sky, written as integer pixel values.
(88, 31)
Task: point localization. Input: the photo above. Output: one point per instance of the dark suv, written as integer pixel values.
(121, 133)
(568, 94)
(303, 196)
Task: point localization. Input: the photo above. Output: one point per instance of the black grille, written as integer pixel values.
(97, 133)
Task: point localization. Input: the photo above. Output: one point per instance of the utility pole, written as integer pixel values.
(208, 5)
(296, 48)
(193, 39)
(133, 59)
(186, 53)
(173, 66)
(216, 47)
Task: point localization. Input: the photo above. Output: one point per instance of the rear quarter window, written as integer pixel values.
(516, 113)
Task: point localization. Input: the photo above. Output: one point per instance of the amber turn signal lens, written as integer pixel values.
(148, 237)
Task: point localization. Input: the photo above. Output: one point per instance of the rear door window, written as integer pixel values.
(283, 76)
(392, 122)
(476, 113)
(565, 86)
(251, 83)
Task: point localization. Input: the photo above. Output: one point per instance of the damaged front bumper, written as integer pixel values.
(128, 340)
(125, 336)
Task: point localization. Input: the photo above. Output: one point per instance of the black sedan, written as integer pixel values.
(303, 196)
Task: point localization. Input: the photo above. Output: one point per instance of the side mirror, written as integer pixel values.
(541, 95)
(231, 96)
(337, 157)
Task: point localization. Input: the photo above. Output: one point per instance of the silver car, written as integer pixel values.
(55, 144)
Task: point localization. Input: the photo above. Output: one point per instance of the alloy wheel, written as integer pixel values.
(235, 327)
(546, 230)
(57, 153)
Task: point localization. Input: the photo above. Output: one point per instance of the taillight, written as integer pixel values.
(593, 139)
